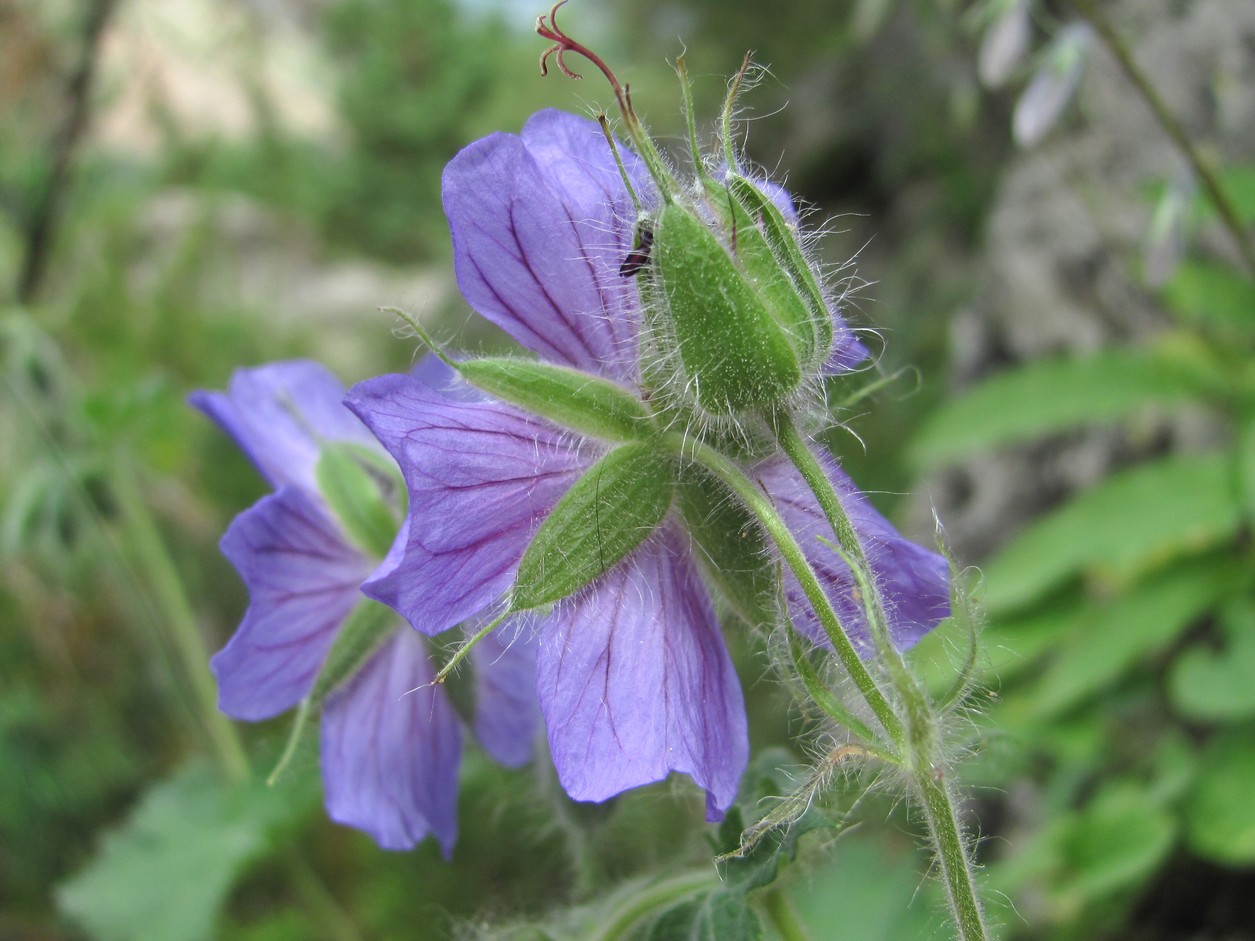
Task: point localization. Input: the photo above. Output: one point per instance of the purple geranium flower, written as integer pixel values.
(632, 674)
(391, 743)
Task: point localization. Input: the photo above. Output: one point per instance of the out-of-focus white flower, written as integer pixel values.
(1052, 85)
(1005, 41)
(1167, 234)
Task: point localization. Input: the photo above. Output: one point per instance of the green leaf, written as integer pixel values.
(608, 512)
(1106, 640)
(165, 873)
(1114, 843)
(1219, 812)
(719, 915)
(1218, 686)
(362, 491)
(1054, 395)
(1130, 522)
(1214, 297)
(567, 397)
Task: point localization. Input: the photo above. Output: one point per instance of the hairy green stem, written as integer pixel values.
(1172, 127)
(923, 747)
(951, 853)
(758, 504)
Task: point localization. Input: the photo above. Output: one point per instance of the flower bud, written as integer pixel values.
(737, 298)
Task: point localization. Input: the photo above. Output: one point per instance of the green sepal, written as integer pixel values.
(608, 512)
(736, 354)
(797, 293)
(368, 625)
(567, 397)
(733, 548)
(361, 487)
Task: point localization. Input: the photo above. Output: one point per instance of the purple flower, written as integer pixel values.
(391, 743)
(632, 674)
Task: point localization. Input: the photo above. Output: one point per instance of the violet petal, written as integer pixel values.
(541, 223)
(913, 581)
(391, 744)
(279, 414)
(481, 477)
(507, 716)
(302, 579)
(635, 682)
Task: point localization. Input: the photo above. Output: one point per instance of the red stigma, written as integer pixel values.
(547, 27)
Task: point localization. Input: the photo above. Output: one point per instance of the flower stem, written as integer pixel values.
(758, 504)
(922, 741)
(803, 458)
(1172, 127)
(951, 853)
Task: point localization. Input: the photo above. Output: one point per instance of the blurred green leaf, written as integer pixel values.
(1219, 813)
(1130, 522)
(721, 915)
(1105, 640)
(1006, 647)
(1115, 842)
(1219, 685)
(164, 874)
(1214, 297)
(1053, 395)
(869, 888)
(1238, 183)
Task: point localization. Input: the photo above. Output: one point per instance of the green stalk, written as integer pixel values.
(951, 853)
(625, 918)
(754, 499)
(923, 748)
(162, 590)
(1172, 127)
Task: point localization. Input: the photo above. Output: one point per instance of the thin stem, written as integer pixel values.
(174, 612)
(951, 854)
(799, 452)
(922, 744)
(1172, 127)
(728, 472)
(41, 229)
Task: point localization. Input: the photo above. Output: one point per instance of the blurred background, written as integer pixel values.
(1045, 213)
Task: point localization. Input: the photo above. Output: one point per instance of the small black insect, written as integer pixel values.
(638, 258)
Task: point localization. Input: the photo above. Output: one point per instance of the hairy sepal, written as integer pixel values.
(736, 352)
(361, 487)
(799, 297)
(733, 547)
(363, 633)
(567, 397)
(607, 513)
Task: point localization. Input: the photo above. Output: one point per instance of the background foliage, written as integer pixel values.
(189, 187)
